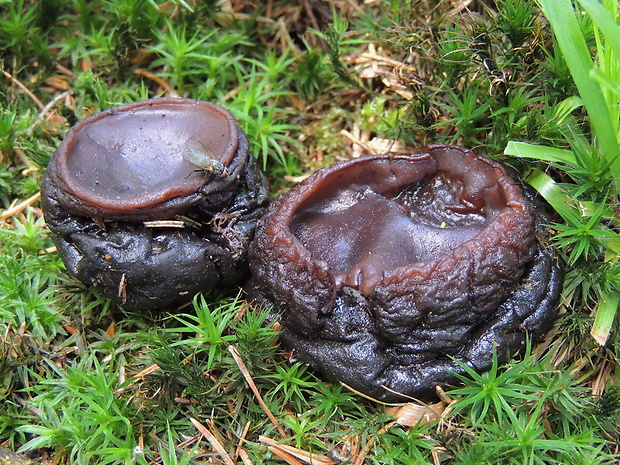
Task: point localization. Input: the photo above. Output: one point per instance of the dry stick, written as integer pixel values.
(386, 60)
(313, 22)
(366, 396)
(245, 458)
(25, 89)
(23, 158)
(239, 452)
(189, 441)
(355, 140)
(362, 455)
(218, 436)
(45, 111)
(138, 376)
(355, 6)
(296, 179)
(457, 9)
(246, 17)
(598, 385)
(248, 378)
(19, 207)
(214, 442)
(48, 250)
(64, 70)
(314, 459)
(157, 80)
(284, 456)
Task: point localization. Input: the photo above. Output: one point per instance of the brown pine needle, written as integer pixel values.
(137, 377)
(359, 142)
(44, 111)
(284, 456)
(245, 458)
(158, 80)
(365, 396)
(19, 207)
(307, 457)
(239, 452)
(248, 377)
(217, 445)
(28, 92)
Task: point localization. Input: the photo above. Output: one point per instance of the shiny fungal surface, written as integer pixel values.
(133, 217)
(385, 269)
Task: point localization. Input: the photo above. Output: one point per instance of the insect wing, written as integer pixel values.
(198, 155)
(201, 157)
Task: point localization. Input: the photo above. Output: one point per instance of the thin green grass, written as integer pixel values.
(589, 206)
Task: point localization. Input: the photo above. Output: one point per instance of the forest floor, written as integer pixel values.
(310, 82)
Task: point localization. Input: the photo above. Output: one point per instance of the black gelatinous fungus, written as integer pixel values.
(386, 270)
(154, 201)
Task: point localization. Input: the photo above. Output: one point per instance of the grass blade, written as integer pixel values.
(561, 15)
(605, 314)
(538, 152)
(552, 193)
(604, 22)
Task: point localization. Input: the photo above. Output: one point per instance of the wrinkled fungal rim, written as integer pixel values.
(152, 198)
(362, 340)
(516, 212)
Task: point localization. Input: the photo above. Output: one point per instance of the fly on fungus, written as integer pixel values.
(203, 159)
(117, 196)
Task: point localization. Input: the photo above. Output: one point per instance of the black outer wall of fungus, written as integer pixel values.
(343, 333)
(144, 267)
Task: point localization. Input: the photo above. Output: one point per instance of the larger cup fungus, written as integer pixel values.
(154, 201)
(388, 272)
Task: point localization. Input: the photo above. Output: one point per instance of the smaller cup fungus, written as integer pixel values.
(387, 271)
(154, 201)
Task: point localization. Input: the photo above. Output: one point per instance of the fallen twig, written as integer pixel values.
(239, 452)
(217, 445)
(248, 378)
(44, 112)
(138, 376)
(24, 88)
(162, 83)
(358, 142)
(307, 457)
(20, 207)
(288, 458)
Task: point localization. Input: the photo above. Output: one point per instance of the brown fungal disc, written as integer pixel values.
(386, 269)
(132, 214)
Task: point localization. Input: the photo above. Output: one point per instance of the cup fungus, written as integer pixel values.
(387, 271)
(154, 201)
